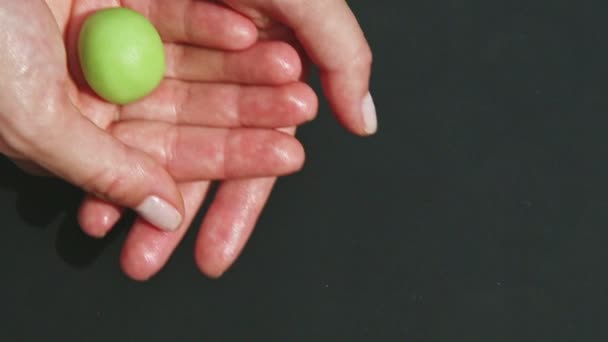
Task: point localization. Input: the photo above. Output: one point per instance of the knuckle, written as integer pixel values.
(184, 96)
(107, 184)
(175, 58)
(190, 26)
(170, 148)
(118, 183)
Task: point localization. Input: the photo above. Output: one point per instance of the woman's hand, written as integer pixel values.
(335, 42)
(50, 122)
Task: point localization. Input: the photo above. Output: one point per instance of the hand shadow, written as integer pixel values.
(41, 201)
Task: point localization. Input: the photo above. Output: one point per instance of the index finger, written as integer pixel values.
(330, 33)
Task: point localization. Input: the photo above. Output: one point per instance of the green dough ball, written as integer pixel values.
(121, 54)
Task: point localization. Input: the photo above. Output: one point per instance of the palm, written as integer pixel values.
(69, 15)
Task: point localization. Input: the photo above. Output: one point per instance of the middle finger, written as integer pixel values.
(191, 153)
(226, 105)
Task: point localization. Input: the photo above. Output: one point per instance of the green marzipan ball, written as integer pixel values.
(121, 55)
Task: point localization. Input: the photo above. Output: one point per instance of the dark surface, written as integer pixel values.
(478, 213)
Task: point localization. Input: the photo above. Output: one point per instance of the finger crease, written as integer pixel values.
(179, 107)
(170, 146)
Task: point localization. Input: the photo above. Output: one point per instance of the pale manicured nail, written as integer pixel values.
(370, 120)
(159, 213)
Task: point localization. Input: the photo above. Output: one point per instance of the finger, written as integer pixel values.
(73, 148)
(97, 217)
(225, 105)
(146, 249)
(330, 34)
(230, 221)
(269, 63)
(192, 153)
(198, 23)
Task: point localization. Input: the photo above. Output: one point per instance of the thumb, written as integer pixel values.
(75, 149)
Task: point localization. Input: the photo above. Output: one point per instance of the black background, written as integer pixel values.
(478, 213)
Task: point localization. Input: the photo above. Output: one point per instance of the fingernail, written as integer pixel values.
(370, 120)
(159, 213)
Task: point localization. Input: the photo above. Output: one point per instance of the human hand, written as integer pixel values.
(50, 123)
(344, 59)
